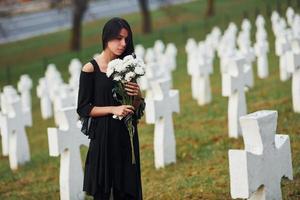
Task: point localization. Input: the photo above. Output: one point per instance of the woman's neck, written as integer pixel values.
(104, 58)
(107, 56)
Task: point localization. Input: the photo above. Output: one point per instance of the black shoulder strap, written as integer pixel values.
(95, 65)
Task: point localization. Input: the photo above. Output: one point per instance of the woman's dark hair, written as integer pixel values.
(111, 30)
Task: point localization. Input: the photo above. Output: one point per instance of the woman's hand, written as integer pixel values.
(132, 89)
(122, 110)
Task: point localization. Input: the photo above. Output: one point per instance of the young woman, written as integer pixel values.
(108, 168)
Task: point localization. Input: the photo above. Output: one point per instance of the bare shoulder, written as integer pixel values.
(88, 67)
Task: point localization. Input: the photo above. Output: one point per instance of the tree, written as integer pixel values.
(79, 8)
(146, 24)
(210, 8)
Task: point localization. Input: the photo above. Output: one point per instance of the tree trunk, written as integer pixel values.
(79, 7)
(146, 26)
(210, 8)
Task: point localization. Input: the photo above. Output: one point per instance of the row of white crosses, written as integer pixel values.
(250, 172)
(288, 48)
(200, 65)
(246, 180)
(14, 116)
(160, 61)
(237, 73)
(54, 94)
(245, 48)
(66, 139)
(161, 101)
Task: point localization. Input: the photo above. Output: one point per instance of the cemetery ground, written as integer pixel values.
(202, 141)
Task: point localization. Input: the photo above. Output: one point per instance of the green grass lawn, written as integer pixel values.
(202, 142)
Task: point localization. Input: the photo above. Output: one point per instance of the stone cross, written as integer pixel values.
(64, 98)
(4, 134)
(171, 53)
(74, 70)
(256, 172)
(290, 14)
(8, 92)
(293, 58)
(8, 96)
(261, 48)
(139, 51)
(166, 102)
(296, 26)
(66, 142)
(233, 86)
(24, 87)
(191, 50)
(19, 152)
(150, 56)
(202, 73)
(158, 47)
(42, 91)
(152, 75)
(216, 34)
(282, 47)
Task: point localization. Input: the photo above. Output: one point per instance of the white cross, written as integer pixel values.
(282, 46)
(24, 87)
(233, 86)
(64, 98)
(261, 48)
(66, 141)
(42, 91)
(202, 86)
(9, 96)
(166, 102)
(8, 91)
(152, 75)
(256, 172)
(19, 152)
(293, 58)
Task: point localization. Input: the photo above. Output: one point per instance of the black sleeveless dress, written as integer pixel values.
(108, 163)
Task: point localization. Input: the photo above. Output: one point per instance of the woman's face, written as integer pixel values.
(117, 46)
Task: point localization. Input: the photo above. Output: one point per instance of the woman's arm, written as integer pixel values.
(122, 110)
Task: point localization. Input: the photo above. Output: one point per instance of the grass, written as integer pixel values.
(202, 142)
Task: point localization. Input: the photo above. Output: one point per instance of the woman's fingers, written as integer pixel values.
(132, 89)
(130, 107)
(132, 86)
(131, 92)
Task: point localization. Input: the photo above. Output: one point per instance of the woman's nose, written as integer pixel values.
(123, 42)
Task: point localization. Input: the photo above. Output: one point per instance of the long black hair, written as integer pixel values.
(111, 30)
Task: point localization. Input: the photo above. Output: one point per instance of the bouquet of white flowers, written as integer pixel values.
(122, 71)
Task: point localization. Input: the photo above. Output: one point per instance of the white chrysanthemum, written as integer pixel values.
(117, 78)
(120, 68)
(109, 71)
(129, 63)
(139, 71)
(113, 66)
(128, 58)
(129, 76)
